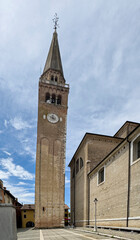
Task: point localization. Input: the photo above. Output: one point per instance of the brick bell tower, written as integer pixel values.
(51, 140)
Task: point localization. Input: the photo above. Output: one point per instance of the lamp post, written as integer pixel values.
(95, 226)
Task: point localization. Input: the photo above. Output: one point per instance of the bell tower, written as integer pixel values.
(51, 140)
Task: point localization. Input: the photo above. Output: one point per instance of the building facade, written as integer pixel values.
(109, 171)
(51, 140)
(7, 198)
(28, 215)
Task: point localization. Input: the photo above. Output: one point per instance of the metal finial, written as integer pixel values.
(55, 20)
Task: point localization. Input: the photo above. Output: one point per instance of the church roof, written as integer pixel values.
(98, 136)
(135, 124)
(114, 149)
(54, 59)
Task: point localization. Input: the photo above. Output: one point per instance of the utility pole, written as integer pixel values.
(95, 226)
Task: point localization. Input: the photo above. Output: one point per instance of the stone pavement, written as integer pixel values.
(120, 234)
(28, 234)
(59, 234)
(75, 234)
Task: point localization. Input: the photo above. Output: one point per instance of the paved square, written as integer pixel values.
(52, 234)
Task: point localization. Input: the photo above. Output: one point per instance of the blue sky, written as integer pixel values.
(100, 48)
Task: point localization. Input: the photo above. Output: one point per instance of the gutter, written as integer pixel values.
(88, 198)
(128, 191)
(74, 194)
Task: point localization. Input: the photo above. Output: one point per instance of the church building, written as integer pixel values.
(51, 140)
(107, 168)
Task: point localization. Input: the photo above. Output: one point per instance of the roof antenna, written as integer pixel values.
(55, 20)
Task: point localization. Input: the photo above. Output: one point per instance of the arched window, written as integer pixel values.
(101, 175)
(52, 78)
(47, 98)
(77, 165)
(81, 163)
(56, 79)
(53, 98)
(135, 146)
(59, 100)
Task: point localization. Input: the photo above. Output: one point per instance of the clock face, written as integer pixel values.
(53, 118)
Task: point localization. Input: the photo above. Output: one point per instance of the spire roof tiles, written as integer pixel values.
(54, 59)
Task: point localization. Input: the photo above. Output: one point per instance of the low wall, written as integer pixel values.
(8, 229)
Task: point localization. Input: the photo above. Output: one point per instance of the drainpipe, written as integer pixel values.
(128, 193)
(74, 194)
(88, 197)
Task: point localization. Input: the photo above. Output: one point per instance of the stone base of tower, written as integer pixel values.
(44, 224)
(49, 218)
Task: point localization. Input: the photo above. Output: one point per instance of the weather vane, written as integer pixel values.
(55, 20)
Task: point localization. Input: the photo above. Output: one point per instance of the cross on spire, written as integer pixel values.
(55, 20)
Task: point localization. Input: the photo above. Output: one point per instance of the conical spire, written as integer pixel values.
(54, 59)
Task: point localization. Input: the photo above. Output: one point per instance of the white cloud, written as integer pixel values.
(1, 131)
(22, 183)
(23, 194)
(19, 124)
(9, 154)
(28, 145)
(5, 123)
(4, 175)
(29, 150)
(67, 180)
(15, 170)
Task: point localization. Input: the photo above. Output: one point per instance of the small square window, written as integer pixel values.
(24, 215)
(101, 175)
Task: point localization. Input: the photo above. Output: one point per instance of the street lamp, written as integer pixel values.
(95, 226)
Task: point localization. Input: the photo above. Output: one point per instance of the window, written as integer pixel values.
(73, 174)
(56, 79)
(53, 98)
(47, 98)
(77, 166)
(81, 163)
(59, 100)
(135, 148)
(24, 215)
(24, 210)
(101, 175)
(52, 78)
